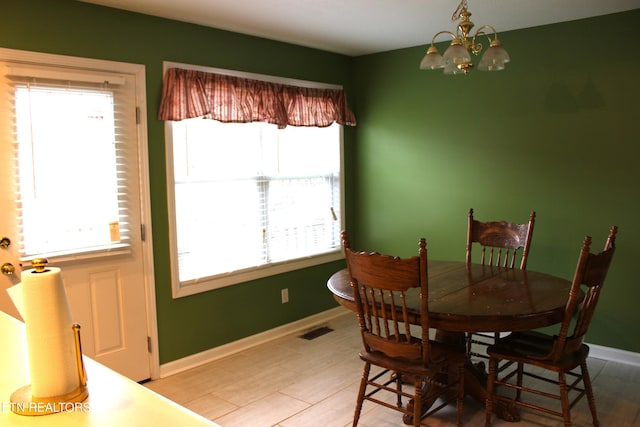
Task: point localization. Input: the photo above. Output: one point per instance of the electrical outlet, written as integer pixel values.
(284, 294)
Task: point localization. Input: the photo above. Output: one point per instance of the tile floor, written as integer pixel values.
(293, 382)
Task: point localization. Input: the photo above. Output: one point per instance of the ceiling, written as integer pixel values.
(359, 27)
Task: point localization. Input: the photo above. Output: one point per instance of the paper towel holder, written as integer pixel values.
(22, 400)
(24, 403)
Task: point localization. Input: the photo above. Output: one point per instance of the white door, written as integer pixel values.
(94, 225)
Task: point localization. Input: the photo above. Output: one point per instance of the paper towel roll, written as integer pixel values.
(50, 336)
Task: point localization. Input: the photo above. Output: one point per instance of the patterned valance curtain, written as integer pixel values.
(190, 93)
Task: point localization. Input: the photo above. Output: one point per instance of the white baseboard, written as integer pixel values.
(224, 350)
(614, 355)
(166, 369)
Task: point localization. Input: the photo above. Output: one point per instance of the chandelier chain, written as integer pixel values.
(458, 11)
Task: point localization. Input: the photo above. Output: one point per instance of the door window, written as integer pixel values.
(70, 162)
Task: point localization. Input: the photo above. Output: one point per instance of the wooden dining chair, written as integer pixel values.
(501, 244)
(381, 285)
(562, 353)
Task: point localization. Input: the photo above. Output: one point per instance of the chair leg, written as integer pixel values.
(460, 402)
(398, 378)
(519, 378)
(417, 402)
(361, 392)
(564, 398)
(493, 363)
(586, 379)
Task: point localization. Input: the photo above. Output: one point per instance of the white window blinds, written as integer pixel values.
(250, 195)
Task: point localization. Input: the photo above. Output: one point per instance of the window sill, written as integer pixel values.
(191, 287)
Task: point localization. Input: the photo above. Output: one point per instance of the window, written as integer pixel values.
(45, 114)
(251, 200)
(70, 131)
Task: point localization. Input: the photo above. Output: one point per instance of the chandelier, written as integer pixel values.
(457, 57)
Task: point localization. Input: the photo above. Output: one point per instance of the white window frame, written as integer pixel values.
(182, 289)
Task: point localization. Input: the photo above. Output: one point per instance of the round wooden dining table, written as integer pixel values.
(478, 298)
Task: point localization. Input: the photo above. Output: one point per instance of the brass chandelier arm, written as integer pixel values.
(476, 48)
(471, 46)
(433, 39)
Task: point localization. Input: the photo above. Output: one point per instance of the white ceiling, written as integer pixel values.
(358, 27)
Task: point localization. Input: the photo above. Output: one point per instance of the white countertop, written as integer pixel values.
(114, 400)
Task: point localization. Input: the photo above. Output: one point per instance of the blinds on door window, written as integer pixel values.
(69, 132)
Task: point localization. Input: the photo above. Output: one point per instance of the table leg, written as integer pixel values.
(427, 401)
(475, 379)
(475, 384)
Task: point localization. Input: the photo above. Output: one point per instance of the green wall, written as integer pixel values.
(195, 323)
(556, 132)
(427, 147)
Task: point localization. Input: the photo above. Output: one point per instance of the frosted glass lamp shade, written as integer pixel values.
(494, 58)
(432, 60)
(456, 58)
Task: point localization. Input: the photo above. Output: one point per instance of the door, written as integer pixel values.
(83, 190)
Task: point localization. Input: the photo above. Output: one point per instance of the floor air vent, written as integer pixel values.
(315, 333)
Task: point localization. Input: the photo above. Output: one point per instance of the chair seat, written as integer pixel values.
(441, 355)
(532, 347)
